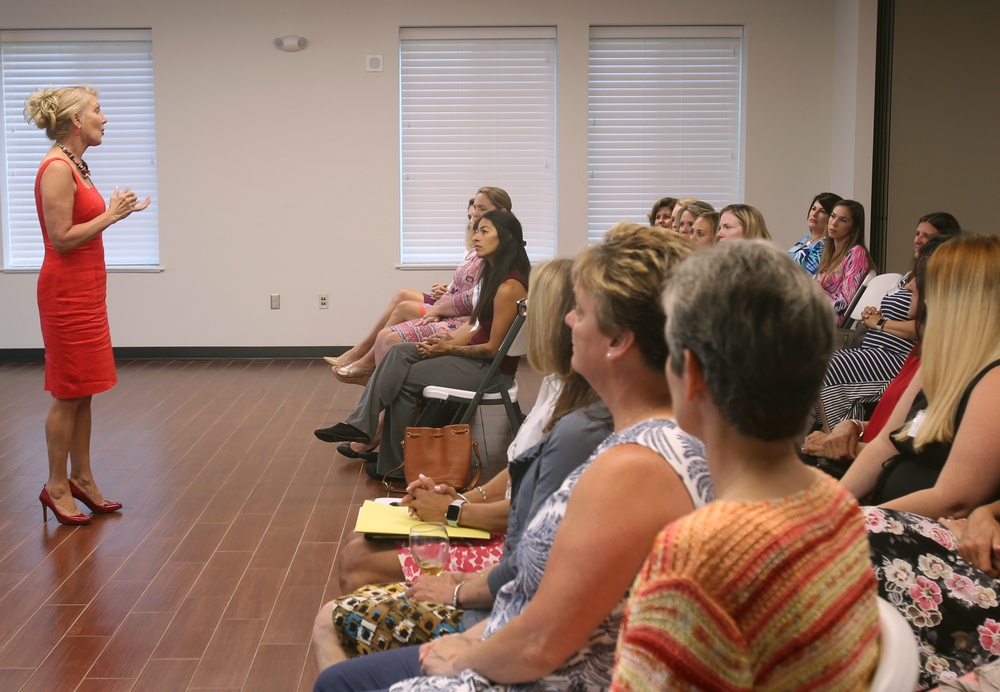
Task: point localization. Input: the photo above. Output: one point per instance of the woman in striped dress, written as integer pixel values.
(858, 376)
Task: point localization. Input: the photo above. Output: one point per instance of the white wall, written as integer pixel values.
(278, 172)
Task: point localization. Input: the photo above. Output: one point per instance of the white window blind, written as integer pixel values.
(477, 107)
(119, 64)
(665, 119)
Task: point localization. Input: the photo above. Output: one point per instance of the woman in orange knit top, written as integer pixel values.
(770, 586)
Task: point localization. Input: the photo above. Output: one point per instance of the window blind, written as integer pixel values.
(119, 64)
(665, 119)
(477, 107)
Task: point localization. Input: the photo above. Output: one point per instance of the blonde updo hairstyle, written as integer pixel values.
(52, 109)
(625, 276)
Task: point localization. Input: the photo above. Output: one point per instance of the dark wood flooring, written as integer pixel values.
(210, 576)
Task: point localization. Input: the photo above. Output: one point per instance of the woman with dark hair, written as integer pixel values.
(662, 213)
(848, 437)
(858, 376)
(845, 261)
(810, 247)
(454, 359)
(412, 315)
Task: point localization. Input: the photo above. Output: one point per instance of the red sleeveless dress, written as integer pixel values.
(72, 288)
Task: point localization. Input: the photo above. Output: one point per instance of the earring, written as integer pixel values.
(609, 354)
(77, 133)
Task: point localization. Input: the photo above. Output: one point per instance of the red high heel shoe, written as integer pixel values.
(106, 507)
(47, 504)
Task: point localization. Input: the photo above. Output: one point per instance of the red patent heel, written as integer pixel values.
(106, 507)
(47, 504)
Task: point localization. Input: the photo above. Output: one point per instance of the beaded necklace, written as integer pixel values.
(81, 165)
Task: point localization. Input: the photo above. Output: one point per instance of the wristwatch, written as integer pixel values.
(454, 512)
(880, 325)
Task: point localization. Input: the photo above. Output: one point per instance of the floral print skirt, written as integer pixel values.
(951, 606)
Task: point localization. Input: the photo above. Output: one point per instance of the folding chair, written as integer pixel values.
(465, 402)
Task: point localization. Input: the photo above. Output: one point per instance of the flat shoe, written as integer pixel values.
(341, 432)
(346, 450)
(353, 374)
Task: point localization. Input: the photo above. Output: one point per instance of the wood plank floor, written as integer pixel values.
(210, 576)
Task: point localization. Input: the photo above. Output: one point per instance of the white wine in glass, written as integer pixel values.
(429, 546)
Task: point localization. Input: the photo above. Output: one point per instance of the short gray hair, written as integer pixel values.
(762, 330)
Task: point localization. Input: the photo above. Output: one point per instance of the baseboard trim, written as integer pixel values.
(10, 355)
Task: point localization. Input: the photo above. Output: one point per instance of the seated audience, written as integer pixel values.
(555, 624)
(810, 247)
(769, 586)
(857, 377)
(741, 221)
(456, 359)
(845, 261)
(678, 208)
(412, 318)
(662, 213)
(374, 618)
(940, 455)
(690, 212)
(704, 229)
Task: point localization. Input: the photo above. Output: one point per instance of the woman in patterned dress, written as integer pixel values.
(845, 261)
(72, 286)
(412, 316)
(555, 624)
(809, 249)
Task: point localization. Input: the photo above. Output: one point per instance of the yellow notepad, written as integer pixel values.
(384, 520)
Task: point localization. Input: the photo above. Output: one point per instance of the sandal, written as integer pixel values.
(334, 361)
(353, 374)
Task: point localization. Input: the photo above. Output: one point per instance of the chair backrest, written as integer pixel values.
(506, 348)
(857, 295)
(898, 658)
(873, 292)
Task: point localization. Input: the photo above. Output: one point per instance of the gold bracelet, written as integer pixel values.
(482, 492)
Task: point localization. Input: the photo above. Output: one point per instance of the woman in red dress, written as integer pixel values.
(72, 287)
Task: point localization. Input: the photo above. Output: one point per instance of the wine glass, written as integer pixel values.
(429, 546)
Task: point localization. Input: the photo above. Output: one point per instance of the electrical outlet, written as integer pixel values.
(275, 301)
(324, 301)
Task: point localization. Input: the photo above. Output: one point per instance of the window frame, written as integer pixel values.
(119, 64)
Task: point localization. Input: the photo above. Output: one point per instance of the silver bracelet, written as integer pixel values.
(454, 596)
(482, 492)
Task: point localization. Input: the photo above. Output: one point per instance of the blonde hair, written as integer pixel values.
(962, 335)
(52, 109)
(549, 341)
(624, 276)
(499, 197)
(751, 219)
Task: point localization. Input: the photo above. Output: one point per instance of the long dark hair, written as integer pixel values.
(509, 257)
(831, 258)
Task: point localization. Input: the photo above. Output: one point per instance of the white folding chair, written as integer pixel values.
(872, 293)
(898, 658)
(514, 344)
